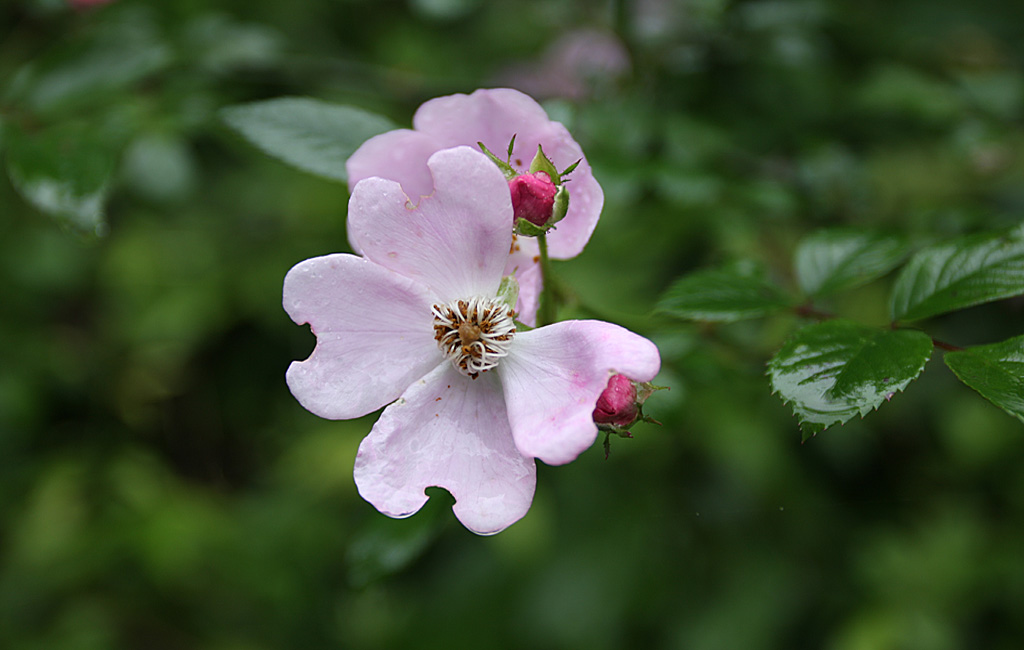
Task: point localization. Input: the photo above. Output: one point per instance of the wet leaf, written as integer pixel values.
(722, 295)
(831, 371)
(958, 274)
(996, 371)
(830, 261)
(64, 171)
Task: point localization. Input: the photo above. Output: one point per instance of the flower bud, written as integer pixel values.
(533, 197)
(617, 406)
(620, 406)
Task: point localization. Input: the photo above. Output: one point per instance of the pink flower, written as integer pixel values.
(491, 117)
(617, 405)
(415, 324)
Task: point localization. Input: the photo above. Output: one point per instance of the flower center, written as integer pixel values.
(474, 334)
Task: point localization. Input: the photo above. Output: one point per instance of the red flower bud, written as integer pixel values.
(533, 197)
(617, 405)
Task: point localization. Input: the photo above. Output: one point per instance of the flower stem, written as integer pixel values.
(546, 309)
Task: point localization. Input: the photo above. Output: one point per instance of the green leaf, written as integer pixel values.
(834, 370)
(310, 134)
(723, 295)
(996, 371)
(958, 274)
(830, 261)
(93, 68)
(64, 171)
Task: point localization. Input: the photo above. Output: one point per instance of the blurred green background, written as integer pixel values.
(161, 489)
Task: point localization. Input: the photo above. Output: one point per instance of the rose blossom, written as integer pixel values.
(493, 117)
(415, 323)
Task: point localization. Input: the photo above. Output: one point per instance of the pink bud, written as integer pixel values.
(533, 197)
(617, 405)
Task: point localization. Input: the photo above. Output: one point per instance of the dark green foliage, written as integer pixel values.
(723, 295)
(161, 489)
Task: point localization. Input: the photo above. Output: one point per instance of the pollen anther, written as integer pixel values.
(474, 334)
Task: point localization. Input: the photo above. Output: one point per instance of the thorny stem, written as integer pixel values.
(948, 347)
(808, 311)
(546, 310)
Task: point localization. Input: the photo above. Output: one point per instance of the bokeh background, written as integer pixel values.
(161, 489)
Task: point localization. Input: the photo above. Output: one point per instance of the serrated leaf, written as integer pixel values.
(996, 371)
(64, 171)
(310, 134)
(830, 261)
(958, 274)
(831, 371)
(724, 295)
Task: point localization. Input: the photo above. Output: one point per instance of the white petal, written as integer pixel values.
(455, 241)
(448, 431)
(554, 375)
(400, 155)
(493, 116)
(374, 332)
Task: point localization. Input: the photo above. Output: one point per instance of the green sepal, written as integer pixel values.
(505, 168)
(608, 431)
(508, 291)
(645, 389)
(621, 432)
(541, 163)
(561, 206)
(568, 170)
(530, 229)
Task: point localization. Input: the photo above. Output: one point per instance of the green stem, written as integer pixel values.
(546, 309)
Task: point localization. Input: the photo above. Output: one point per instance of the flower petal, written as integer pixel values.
(400, 155)
(493, 116)
(490, 115)
(374, 332)
(455, 241)
(553, 376)
(523, 263)
(586, 198)
(452, 432)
